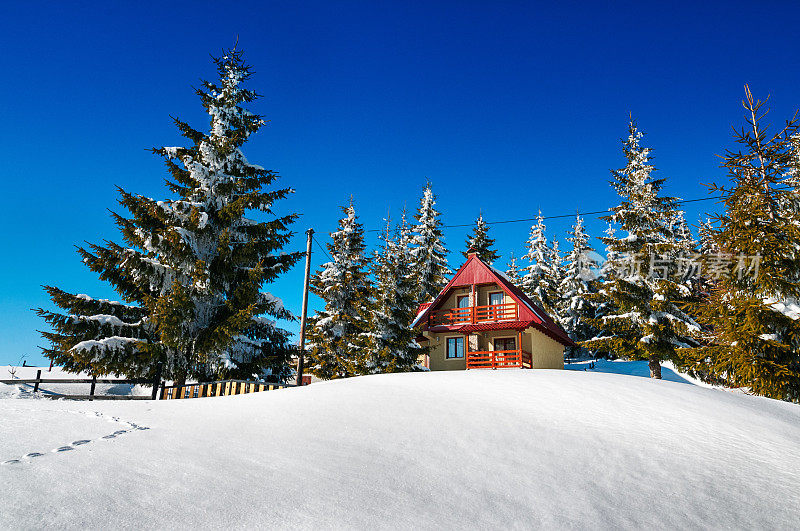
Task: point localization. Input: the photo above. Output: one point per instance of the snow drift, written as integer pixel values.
(487, 449)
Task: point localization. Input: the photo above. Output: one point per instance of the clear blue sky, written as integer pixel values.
(506, 106)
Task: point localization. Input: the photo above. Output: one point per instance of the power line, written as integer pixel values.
(321, 247)
(593, 213)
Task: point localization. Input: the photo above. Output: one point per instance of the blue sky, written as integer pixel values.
(506, 107)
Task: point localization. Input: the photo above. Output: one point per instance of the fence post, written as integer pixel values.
(38, 376)
(156, 381)
(91, 391)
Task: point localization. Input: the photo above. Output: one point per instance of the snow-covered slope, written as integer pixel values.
(486, 449)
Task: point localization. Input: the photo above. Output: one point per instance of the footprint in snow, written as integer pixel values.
(131, 427)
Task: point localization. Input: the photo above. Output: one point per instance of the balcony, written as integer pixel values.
(499, 359)
(475, 314)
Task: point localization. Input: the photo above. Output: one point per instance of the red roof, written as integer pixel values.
(475, 271)
(501, 325)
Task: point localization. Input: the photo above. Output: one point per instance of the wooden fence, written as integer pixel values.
(165, 392)
(92, 381)
(218, 388)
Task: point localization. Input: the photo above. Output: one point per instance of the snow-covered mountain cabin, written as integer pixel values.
(480, 320)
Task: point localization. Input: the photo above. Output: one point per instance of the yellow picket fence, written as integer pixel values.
(219, 388)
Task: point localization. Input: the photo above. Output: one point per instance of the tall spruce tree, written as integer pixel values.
(706, 244)
(480, 243)
(428, 254)
(554, 280)
(578, 284)
(192, 268)
(605, 306)
(512, 272)
(536, 281)
(753, 335)
(337, 336)
(683, 234)
(643, 318)
(392, 344)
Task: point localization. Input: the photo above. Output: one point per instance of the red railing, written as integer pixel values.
(475, 314)
(498, 359)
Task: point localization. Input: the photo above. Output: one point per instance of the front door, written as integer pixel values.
(506, 359)
(505, 343)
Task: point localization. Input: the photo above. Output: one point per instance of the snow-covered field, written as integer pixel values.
(485, 449)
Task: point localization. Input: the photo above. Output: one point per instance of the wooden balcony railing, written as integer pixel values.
(499, 359)
(475, 314)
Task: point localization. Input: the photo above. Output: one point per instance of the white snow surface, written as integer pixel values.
(539, 449)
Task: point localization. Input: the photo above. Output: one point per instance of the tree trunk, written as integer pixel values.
(655, 368)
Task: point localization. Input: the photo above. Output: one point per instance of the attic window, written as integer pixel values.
(495, 298)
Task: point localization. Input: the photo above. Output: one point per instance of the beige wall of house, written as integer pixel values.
(545, 352)
(437, 353)
(450, 302)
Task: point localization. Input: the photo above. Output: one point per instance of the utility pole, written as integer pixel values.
(301, 356)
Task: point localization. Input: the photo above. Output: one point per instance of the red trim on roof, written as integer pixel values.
(501, 325)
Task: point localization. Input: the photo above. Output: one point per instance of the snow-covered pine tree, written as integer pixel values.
(512, 272)
(192, 271)
(706, 231)
(428, 254)
(538, 273)
(391, 338)
(337, 336)
(642, 318)
(480, 243)
(604, 306)
(611, 263)
(683, 234)
(753, 337)
(578, 284)
(556, 276)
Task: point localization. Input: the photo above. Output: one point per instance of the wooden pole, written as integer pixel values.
(301, 354)
(91, 390)
(156, 381)
(38, 376)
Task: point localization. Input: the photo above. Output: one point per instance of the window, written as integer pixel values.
(462, 301)
(496, 298)
(455, 347)
(505, 343)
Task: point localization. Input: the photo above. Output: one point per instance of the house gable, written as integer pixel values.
(475, 272)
